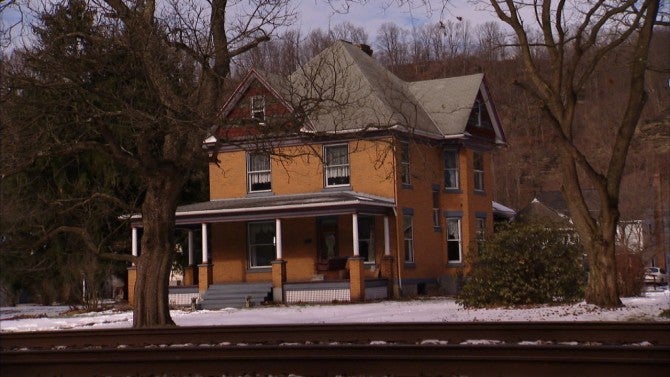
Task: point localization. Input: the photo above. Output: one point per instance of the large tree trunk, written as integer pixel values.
(597, 235)
(602, 288)
(151, 306)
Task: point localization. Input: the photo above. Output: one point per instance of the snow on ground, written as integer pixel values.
(45, 318)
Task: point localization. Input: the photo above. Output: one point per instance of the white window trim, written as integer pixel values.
(459, 240)
(409, 254)
(457, 185)
(405, 164)
(251, 256)
(252, 173)
(478, 173)
(258, 110)
(327, 168)
(480, 232)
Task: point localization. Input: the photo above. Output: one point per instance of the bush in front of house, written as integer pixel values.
(524, 264)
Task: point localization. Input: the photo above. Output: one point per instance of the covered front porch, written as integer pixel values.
(322, 247)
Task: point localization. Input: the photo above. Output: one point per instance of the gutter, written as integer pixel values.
(268, 208)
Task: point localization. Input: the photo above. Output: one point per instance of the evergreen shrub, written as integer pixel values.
(524, 264)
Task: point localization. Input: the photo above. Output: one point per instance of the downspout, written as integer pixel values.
(395, 214)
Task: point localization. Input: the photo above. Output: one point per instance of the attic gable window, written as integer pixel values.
(479, 116)
(258, 108)
(336, 159)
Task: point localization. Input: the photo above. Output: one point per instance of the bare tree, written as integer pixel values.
(558, 65)
(392, 44)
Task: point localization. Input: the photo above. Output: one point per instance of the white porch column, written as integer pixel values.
(278, 241)
(134, 243)
(387, 237)
(205, 245)
(354, 225)
(190, 248)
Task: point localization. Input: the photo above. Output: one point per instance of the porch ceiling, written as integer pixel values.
(283, 206)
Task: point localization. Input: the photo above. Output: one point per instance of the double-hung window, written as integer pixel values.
(258, 108)
(258, 172)
(454, 245)
(404, 164)
(436, 208)
(261, 236)
(478, 167)
(451, 169)
(336, 165)
(408, 235)
(480, 228)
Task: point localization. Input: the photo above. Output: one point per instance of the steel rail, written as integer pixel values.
(338, 359)
(655, 333)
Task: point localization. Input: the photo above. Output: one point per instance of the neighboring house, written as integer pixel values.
(342, 183)
(549, 207)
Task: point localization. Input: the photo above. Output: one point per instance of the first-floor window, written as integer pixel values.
(408, 232)
(436, 209)
(454, 247)
(480, 228)
(261, 244)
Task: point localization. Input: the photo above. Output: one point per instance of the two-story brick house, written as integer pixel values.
(343, 182)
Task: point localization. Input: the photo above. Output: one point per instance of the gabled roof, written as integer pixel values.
(538, 212)
(551, 206)
(343, 89)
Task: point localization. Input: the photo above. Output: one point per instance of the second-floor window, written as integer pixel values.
(404, 164)
(436, 209)
(258, 172)
(408, 236)
(478, 167)
(336, 159)
(451, 170)
(258, 108)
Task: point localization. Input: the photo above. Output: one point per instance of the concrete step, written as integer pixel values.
(221, 296)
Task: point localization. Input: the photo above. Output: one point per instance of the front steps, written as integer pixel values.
(220, 296)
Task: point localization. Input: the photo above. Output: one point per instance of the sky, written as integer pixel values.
(54, 318)
(316, 13)
(313, 14)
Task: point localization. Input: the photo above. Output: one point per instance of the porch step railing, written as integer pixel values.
(220, 296)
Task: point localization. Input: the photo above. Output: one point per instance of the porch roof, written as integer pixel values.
(283, 206)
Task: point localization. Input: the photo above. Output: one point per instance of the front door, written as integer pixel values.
(327, 247)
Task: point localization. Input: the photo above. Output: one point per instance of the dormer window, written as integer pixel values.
(258, 108)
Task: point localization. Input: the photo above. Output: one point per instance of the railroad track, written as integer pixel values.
(472, 349)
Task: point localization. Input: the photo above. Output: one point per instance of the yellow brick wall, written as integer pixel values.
(372, 169)
(297, 170)
(426, 167)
